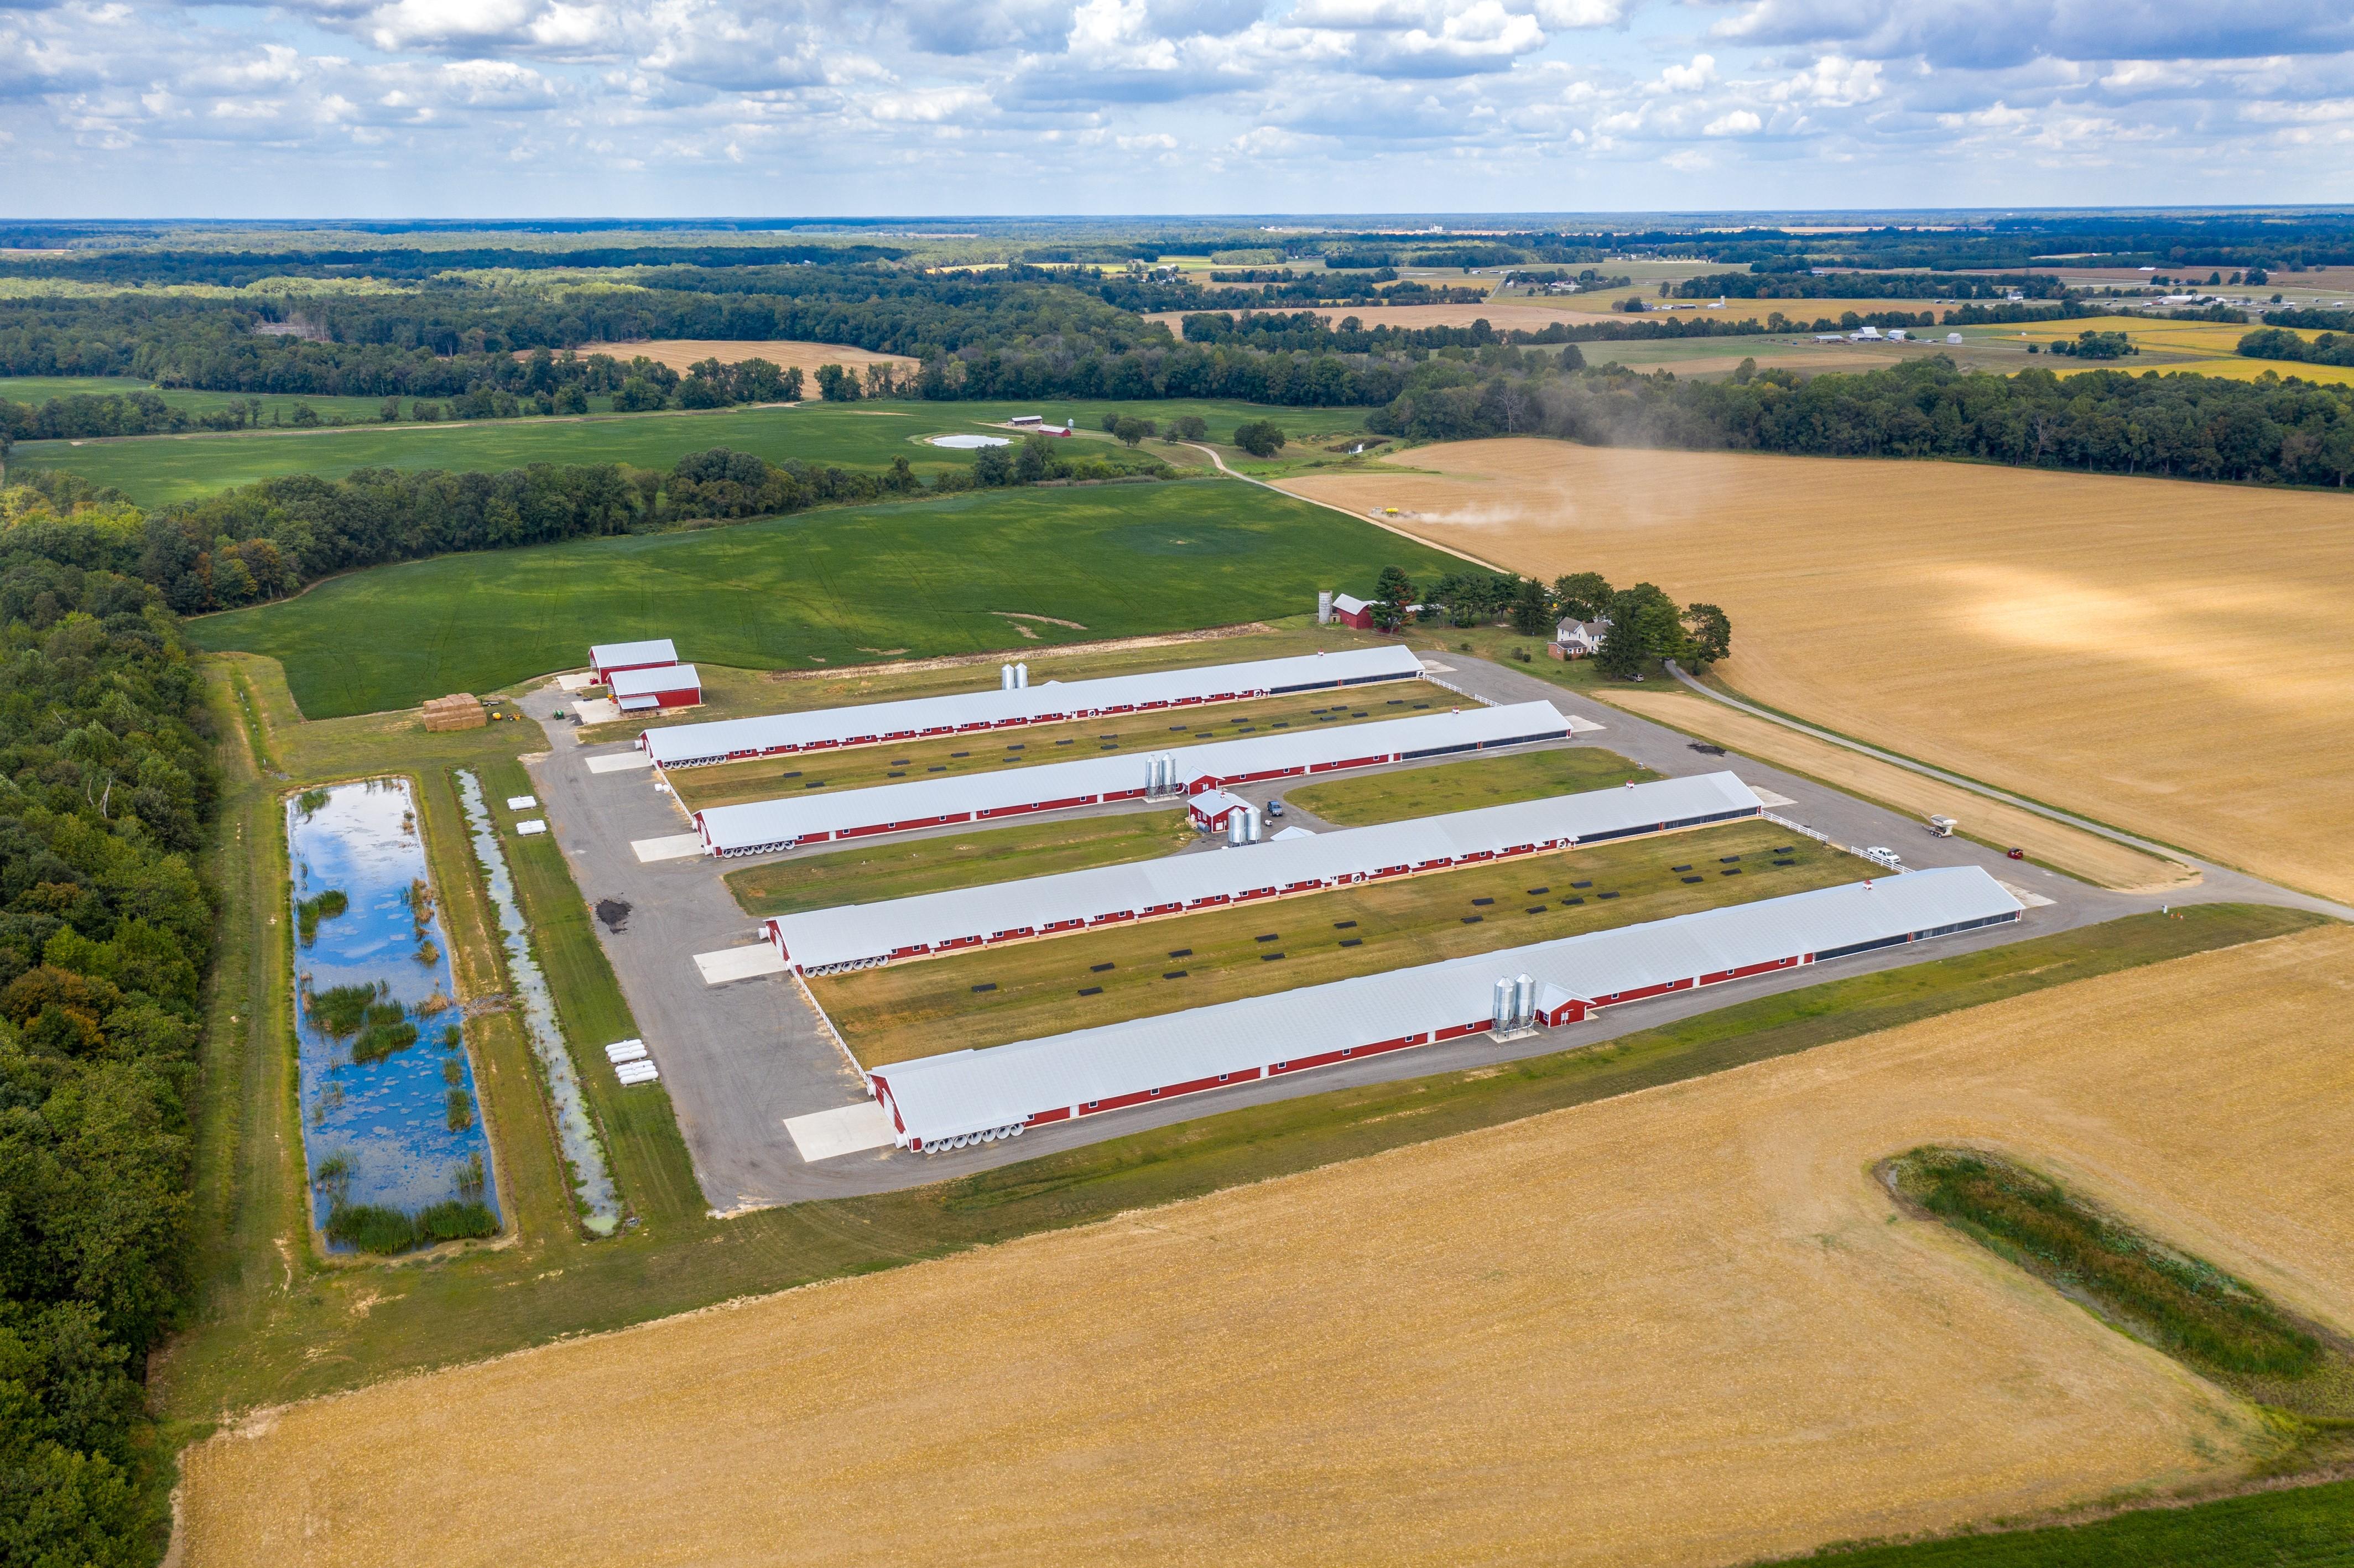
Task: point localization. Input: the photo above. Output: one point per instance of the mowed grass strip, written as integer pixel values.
(829, 587)
(1443, 787)
(923, 1009)
(905, 868)
(2300, 1528)
(994, 751)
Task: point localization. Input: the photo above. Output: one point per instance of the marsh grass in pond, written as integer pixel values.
(308, 912)
(389, 1168)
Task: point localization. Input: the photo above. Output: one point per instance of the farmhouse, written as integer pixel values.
(657, 686)
(873, 724)
(1576, 639)
(762, 826)
(967, 1097)
(865, 935)
(1351, 611)
(607, 659)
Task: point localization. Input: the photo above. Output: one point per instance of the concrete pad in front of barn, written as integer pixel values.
(739, 1059)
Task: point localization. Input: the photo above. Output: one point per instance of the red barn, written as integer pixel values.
(607, 659)
(663, 687)
(1351, 611)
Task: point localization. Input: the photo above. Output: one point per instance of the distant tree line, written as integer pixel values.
(240, 268)
(2107, 421)
(1805, 285)
(106, 787)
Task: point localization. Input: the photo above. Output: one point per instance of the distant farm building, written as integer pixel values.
(657, 686)
(607, 659)
(1351, 611)
(969, 1096)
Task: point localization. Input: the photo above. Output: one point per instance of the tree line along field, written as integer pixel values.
(1027, 990)
(2024, 628)
(1434, 1375)
(765, 778)
(846, 586)
(157, 470)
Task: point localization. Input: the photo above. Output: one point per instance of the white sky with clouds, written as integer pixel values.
(664, 108)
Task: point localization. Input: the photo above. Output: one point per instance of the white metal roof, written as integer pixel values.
(646, 683)
(687, 745)
(605, 655)
(970, 1091)
(1349, 603)
(759, 823)
(848, 934)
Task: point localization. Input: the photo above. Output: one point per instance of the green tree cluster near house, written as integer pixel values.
(1645, 626)
(105, 787)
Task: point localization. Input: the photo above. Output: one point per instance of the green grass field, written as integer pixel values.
(765, 778)
(41, 388)
(837, 585)
(156, 469)
(1194, 960)
(1443, 787)
(2306, 1527)
(880, 872)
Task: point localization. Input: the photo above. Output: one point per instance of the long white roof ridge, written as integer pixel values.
(861, 932)
(1086, 780)
(958, 1092)
(911, 717)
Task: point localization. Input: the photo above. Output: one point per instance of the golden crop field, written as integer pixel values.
(2203, 348)
(1537, 1342)
(2166, 657)
(783, 353)
(2072, 850)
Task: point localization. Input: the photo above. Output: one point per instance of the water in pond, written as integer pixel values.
(382, 1079)
(575, 1133)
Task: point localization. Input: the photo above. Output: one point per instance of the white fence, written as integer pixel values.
(1459, 691)
(1800, 828)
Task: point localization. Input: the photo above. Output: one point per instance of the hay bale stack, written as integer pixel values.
(460, 710)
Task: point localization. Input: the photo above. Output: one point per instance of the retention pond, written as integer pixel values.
(392, 1131)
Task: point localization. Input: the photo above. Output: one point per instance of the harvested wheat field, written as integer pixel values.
(2166, 657)
(678, 353)
(1678, 1327)
(2072, 850)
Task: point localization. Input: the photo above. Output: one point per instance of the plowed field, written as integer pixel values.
(2166, 657)
(1679, 1327)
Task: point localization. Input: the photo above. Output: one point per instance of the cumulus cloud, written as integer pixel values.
(1386, 102)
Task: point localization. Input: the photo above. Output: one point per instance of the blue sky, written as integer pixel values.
(667, 108)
